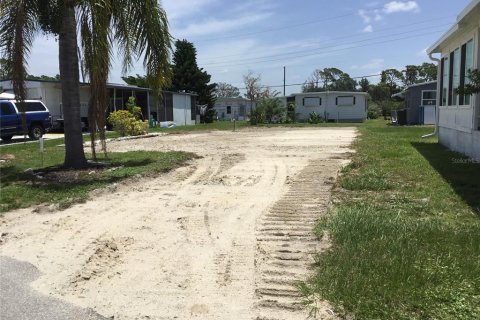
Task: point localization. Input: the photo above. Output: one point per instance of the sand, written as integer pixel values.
(225, 237)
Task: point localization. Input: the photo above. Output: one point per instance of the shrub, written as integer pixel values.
(257, 115)
(268, 110)
(125, 123)
(314, 118)
(374, 111)
(135, 110)
(292, 116)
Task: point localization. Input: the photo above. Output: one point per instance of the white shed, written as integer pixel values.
(331, 105)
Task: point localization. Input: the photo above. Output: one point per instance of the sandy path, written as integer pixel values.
(223, 238)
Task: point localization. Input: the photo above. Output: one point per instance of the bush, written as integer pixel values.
(374, 111)
(135, 110)
(125, 123)
(314, 118)
(292, 116)
(257, 115)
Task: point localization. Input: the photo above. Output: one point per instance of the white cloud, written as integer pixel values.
(364, 15)
(371, 65)
(213, 26)
(378, 16)
(368, 29)
(401, 6)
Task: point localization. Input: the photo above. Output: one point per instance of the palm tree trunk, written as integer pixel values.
(69, 77)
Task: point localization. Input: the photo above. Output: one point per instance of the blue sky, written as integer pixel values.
(233, 37)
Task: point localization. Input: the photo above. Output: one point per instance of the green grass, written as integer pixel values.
(228, 125)
(406, 231)
(21, 190)
(217, 125)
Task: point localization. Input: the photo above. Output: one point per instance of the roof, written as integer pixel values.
(232, 99)
(111, 85)
(329, 92)
(402, 93)
(470, 13)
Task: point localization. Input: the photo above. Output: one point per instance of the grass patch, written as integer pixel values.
(19, 190)
(217, 125)
(228, 125)
(406, 231)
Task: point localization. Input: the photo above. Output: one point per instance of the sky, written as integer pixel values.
(233, 38)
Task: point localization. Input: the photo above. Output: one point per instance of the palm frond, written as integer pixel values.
(142, 26)
(18, 26)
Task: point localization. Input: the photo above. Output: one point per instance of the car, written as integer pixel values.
(38, 118)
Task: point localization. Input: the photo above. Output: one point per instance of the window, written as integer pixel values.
(429, 98)
(34, 106)
(345, 101)
(312, 101)
(454, 71)
(229, 109)
(455, 76)
(445, 73)
(468, 65)
(6, 109)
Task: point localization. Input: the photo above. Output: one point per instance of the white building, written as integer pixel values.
(233, 108)
(330, 105)
(176, 106)
(458, 119)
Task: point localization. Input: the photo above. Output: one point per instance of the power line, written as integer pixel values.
(243, 35)
(319, 48)
(353, 35)
(301, 84)
(334, 50)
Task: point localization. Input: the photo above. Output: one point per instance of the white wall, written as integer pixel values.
(458, 125)
(182, 112)
(329, 109)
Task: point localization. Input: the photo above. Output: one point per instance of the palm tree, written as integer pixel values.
(138, 27)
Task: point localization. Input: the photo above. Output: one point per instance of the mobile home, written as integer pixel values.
(330, 105)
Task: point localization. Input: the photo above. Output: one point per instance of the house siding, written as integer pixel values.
(413, 101)
(328, 109)
(459, 125)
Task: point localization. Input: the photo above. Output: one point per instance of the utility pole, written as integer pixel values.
(284, 81)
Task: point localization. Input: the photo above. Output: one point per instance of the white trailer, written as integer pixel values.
(336, 106)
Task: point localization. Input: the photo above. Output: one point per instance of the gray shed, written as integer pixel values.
(420, 102)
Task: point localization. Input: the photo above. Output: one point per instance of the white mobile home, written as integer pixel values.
(458, 119)
(330, 105)
(233, 108)
(178, 107)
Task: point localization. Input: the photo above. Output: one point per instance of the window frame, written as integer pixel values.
(354, 102)
(312, 106)
(434, 99)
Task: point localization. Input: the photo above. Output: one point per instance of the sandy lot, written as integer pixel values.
(225, 237)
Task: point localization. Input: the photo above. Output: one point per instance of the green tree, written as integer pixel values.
(393, 79)
(139, 27)
(427, 71)
(411, 75)
(138, 80)
(226, 90)
(5, 71)
(188, 77)
(331, 79)
(364, 84)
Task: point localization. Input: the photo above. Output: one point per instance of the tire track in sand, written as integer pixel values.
(286, 244)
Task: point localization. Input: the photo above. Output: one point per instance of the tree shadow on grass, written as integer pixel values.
(462, 173)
